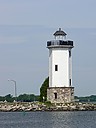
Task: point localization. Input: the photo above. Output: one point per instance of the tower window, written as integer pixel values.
(55, 94)
(69, 53)
(70, 82)
(56, 67)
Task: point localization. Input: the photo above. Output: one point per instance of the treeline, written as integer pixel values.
(32, 97)
(91, 98)
(20, 98)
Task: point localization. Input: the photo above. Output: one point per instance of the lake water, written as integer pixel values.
(79, 119)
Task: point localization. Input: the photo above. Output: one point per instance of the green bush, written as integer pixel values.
(43, 90)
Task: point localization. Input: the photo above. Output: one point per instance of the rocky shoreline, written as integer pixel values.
(38, 106)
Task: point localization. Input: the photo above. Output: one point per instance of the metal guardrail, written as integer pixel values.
(59, 42)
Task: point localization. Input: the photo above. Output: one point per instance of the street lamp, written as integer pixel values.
(14, 88)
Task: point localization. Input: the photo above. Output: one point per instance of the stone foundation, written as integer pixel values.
(60, 94)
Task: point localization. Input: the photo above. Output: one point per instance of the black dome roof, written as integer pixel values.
(59, 33)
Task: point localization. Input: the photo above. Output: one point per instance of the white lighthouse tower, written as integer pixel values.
(60, 69)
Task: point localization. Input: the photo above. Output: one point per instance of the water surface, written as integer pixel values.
(79, 119)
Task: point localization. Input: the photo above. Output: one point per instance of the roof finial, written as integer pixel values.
(59, 29)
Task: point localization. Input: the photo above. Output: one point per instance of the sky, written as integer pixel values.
(25, 28)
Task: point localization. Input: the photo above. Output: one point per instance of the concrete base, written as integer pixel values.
(60, 94)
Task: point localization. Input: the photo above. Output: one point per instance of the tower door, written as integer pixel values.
(55, 95)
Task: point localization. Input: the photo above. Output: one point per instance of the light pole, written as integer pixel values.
(15, 89)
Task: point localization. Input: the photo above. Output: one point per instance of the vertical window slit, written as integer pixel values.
(56, 67)
(70, 82)
(55, 94)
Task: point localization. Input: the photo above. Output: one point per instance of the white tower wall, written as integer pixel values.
(70, 68)
(61, 77)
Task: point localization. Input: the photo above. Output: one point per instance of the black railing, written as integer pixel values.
(59, 42)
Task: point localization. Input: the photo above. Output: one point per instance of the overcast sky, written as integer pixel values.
(26, 26)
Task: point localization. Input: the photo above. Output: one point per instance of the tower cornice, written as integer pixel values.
(60, 44)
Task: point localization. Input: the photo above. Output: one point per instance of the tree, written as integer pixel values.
(27, 98)
(2, 98)
(23, 97)
(43, 90)
(9, 98)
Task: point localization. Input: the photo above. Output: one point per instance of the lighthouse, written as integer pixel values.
(60, 88)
